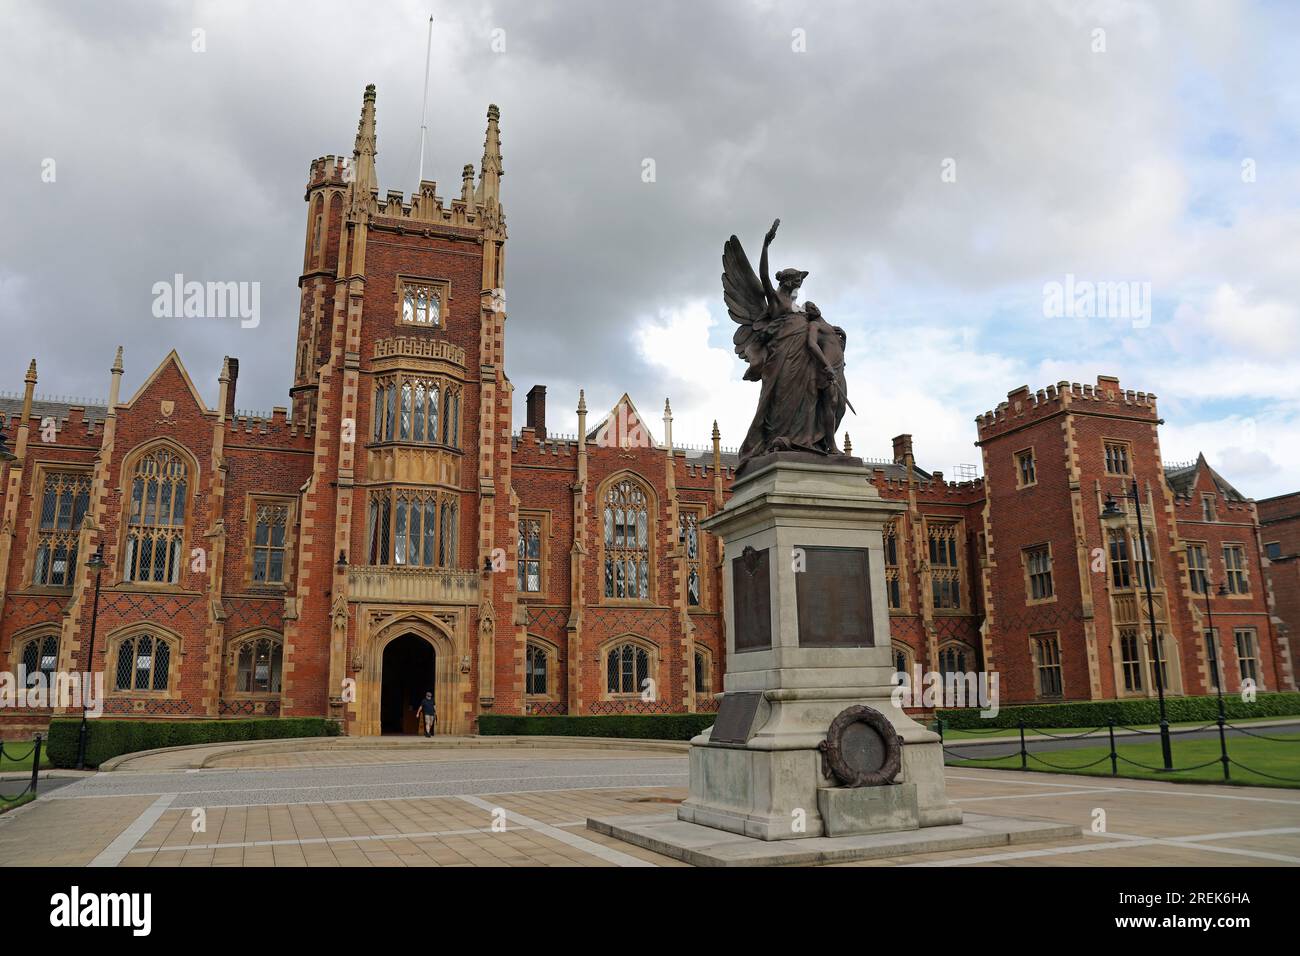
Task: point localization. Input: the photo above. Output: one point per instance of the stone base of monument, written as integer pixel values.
(700, 845)
(853, 811)
(811, 759)
(774, 785)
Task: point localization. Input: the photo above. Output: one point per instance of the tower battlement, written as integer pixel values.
(1023, 406)
(329, 171)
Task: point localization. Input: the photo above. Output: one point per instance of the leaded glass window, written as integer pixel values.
(535, 671)
(626, 669)
(530, 555)
(421, 304)
(156, 518)
(689, 531)
(142, 663)
(259, 666)
(270, 530)
(417, 408)
(64, 500)
(1048, 652)
(411, 526)
(627, 541)
(40, 655)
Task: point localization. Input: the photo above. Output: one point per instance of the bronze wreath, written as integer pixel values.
(833, 762)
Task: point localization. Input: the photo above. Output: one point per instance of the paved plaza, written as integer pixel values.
(528, 806)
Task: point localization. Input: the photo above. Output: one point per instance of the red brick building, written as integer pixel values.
(395, 533)
(1279, 521)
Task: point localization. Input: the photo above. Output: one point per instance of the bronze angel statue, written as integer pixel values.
(792, 350)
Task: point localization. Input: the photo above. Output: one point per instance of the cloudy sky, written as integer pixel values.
(935, 167)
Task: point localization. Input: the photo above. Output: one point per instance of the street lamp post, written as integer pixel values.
(1218, 667)
(96, 564)
(1112, 514)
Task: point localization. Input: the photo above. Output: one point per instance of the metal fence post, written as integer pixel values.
(1114, 760)
(36, 763)
(1024, 754)
(1223, 749)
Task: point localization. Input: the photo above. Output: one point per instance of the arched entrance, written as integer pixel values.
(407, 671)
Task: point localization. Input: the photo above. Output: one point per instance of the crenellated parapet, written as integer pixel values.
(276, 430)
(1106, 397)
(329, 171)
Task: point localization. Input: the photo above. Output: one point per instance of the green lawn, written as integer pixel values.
(951, 734)
(24, 749)
(1280, 758)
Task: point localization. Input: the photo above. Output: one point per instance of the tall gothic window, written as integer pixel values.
(1121, 570)
(1197, 569)
(63, 504)
(945, 572)
(1047, 651)
(893, 584)
(1038, 569)
(1145, 559)
(258, 666)
(1130, 658)
(155, 535)
(1247, 654)
(689, 531)
(270, 528)
(530, 555)
(142, 663)
(535, 671)
(627, 541)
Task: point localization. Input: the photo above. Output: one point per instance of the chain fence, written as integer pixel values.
(34, 752)
(1225, 759)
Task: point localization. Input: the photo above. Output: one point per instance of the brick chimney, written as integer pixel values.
(902, 449)
(233, 365)
(536, 416)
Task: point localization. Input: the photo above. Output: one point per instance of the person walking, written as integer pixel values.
(428, 711)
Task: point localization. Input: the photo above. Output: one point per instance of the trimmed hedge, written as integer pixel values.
(111, 738)
(1097, 713)
(628, 726)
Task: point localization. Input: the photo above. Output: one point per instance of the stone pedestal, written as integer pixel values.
(807, 637)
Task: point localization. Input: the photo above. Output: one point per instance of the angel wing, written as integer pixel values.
(747, 305)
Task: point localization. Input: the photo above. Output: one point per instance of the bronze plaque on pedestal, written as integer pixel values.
(834, 598)
(751, 595)
(735, 721)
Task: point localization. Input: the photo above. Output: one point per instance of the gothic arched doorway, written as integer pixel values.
(407, 672)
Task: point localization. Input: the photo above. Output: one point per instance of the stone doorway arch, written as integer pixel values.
(448, 691)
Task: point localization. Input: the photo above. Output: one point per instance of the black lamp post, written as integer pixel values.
(96, 564)
(1113, 516)
(1218, 665)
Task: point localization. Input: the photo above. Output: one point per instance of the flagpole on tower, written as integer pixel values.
(424, 106)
